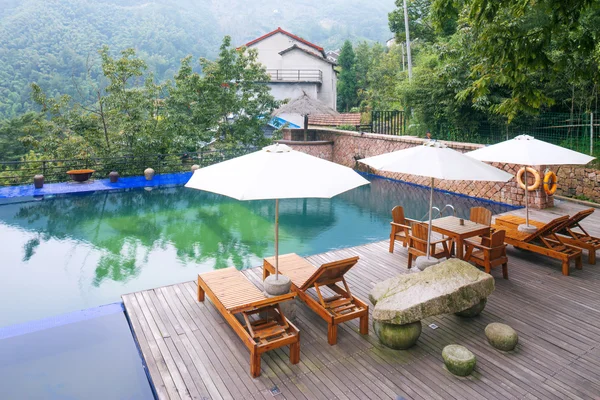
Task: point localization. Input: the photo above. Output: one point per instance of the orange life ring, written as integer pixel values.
(550, 183)
(535, 174)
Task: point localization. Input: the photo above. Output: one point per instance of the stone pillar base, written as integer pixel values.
(277, 287)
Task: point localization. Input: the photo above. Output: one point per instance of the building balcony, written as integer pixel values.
(296, 75)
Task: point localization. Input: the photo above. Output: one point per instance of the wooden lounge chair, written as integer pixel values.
(340, 307)
(417, 245)
(566, 233)
(543, 241)
(580, 239)
(489, 252)
(235, 296)
(400, 227)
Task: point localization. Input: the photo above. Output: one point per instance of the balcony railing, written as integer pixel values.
(296, 75)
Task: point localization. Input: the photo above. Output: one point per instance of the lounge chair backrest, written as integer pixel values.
(578, 217)
(550, 228)
(330, 272)
(495, 241)
(398, 215)
(481, 215)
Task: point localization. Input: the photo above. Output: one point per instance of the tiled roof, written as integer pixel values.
(279, 30)
(335, 120)
(310, 53)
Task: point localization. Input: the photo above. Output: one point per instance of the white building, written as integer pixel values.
(296, 66)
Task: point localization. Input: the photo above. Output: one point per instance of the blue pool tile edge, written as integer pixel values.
(442, 191)
(59, 320)
(128, 182)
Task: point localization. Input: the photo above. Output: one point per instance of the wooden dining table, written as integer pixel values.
(450, 226)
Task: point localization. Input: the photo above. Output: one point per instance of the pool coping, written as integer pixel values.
(28, 192)
(124, 183)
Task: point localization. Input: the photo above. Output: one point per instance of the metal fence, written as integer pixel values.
(388, 122)
(579, 132)
(22, 172)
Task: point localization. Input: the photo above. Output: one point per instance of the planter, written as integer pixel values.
(80, 175)
(149, 174)
(113, 177)
(38, 181)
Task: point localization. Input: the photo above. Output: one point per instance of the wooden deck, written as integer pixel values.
(192, 353)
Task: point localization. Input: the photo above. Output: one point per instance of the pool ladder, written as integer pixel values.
(437, 213)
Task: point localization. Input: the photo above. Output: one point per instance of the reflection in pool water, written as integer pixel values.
(74, 252)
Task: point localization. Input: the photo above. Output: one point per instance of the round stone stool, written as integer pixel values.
(458, 359)
(501, 336)
(397, 337)
(472, 311)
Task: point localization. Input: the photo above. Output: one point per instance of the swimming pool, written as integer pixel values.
(71, 252)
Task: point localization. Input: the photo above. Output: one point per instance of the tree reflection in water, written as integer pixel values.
(204, 228)
(199, 226)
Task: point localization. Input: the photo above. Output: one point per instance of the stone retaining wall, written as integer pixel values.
(347, 147)
(578, 182)
(321, 149)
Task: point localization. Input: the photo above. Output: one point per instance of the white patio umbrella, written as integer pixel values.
(436, 161)
(276, 172)
(526, 150)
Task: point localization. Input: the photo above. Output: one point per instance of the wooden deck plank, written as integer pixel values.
(191, 353)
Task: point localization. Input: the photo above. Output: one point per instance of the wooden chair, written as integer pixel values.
(544, 241)
(400, 227)
(481, 215)
(340, 307)
(261, 326)
(417, 244)
(488, 253)
(566, 233)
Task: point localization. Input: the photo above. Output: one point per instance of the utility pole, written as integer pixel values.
(408, 57)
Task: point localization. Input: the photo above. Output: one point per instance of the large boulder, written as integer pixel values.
(449, 287)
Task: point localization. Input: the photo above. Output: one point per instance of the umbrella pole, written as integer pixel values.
(430, 218)
(526, 200)
(276, 238)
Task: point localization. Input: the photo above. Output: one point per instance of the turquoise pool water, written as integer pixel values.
(71, 252)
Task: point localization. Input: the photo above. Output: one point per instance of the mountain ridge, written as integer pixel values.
(55, 43)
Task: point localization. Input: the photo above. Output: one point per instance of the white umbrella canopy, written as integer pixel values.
(436, 161)
(276, 172)
(526, 150)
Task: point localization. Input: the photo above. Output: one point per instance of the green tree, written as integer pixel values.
(347, 85)
(124, 119)
(527, 48)
(228, 102)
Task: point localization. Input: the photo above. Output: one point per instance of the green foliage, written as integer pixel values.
(346, 84)
(54, 42)
(133, 116)
(347, 127)
(226, 102)
(528, 51)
